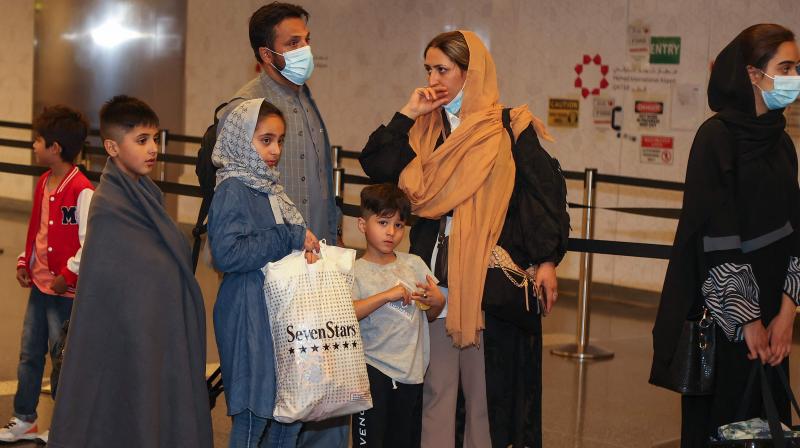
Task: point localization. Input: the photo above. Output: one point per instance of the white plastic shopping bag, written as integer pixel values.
(319, 358)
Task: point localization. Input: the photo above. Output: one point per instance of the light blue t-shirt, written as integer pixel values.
(395, 337)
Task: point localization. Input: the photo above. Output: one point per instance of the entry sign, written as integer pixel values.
(665, 50)
(656, 150)
(563, 113)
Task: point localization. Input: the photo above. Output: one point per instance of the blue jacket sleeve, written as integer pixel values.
(237, 243)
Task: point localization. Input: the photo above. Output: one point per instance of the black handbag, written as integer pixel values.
(777, 437)
(516, 301)
(692, 369)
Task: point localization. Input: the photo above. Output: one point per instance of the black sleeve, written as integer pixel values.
(730, 288)
(387, 151)
(791, 285)
(537, 206)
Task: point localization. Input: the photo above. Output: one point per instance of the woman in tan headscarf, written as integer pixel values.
(475, 187)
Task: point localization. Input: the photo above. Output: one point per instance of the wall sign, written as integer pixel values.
(665, 50)
(563, 113)
(656, 150)
(648, 113)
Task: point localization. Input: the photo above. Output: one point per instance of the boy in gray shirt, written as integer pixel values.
(395, 294)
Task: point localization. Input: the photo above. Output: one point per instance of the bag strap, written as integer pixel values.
(775, 429)
(767, 401)
(788, 388)
(441, 235)
(506, 117)
(748, 393)
(200, 226)
(224, 105)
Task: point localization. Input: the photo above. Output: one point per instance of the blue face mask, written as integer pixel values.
(784, 91)
(454, 106)
(299, 64)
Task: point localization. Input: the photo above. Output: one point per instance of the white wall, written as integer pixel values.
(368, 56)
(16, 89)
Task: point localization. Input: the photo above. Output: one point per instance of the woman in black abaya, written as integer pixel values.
(736, 249)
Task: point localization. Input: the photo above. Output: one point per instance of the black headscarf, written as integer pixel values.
(730, 94)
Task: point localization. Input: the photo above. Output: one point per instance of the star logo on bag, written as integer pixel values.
(336, 346)
(302, 349)
(291, 351)
(326, 347)
(354, 344)
(345, 345)
(314, 348)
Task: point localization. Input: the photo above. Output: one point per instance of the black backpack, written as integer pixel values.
(207, 177)
(561, 213)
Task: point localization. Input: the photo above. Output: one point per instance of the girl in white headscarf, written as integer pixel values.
(251, 222)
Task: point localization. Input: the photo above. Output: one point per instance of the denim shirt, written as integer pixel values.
(244, 237)
(306, 166)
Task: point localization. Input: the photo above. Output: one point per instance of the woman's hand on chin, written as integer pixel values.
(424, 100)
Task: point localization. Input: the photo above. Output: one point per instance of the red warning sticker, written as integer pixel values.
(656, 150)
(648, 113)
(649, 107)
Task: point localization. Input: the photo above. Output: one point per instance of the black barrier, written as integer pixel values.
(16, 143)
(653, 212)
(622, 248)
(628, 249)
(166, 187)
(98, 151)
(96, 132)
(15, 125)
(170, 158)
(362, 180)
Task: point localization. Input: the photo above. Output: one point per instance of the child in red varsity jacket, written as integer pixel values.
(49, 265)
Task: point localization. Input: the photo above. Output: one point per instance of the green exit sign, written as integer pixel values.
(665, 50)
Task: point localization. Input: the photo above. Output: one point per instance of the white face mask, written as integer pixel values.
(784, 91)
(454, 106)
(299, 64)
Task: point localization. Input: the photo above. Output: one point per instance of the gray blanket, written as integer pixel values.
(134, 364)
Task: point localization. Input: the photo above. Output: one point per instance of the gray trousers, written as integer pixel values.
(440, 392)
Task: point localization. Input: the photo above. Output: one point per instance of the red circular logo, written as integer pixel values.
(591, 61)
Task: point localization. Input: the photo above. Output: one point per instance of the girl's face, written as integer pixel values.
(442, 71)
(784, 63)
(268, 139)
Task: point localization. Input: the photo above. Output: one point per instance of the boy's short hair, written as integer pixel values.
(65, 126)
(123, 113)
(384, 200)
(266, 18)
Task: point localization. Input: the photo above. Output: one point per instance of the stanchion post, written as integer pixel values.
(338, 193)
(336, 156)
(581, 349)
(338, 184)
(86, 158)
(163, 150)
